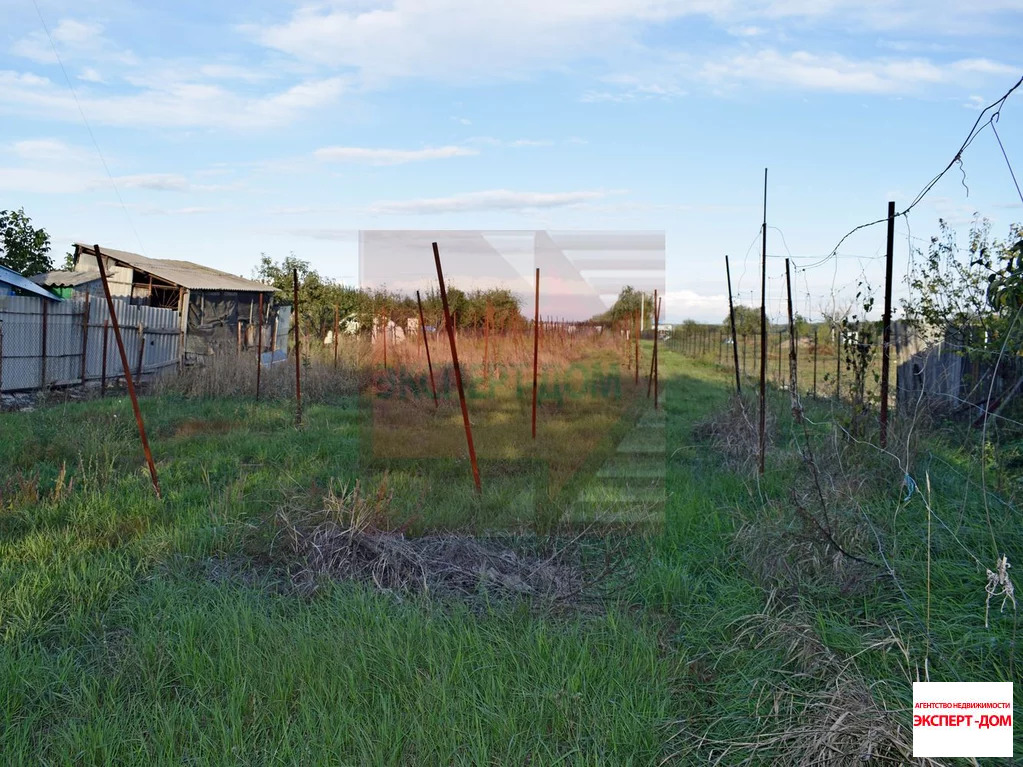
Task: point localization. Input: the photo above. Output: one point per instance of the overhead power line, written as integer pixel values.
(88, 127)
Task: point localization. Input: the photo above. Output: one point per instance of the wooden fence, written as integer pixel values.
(47, 343)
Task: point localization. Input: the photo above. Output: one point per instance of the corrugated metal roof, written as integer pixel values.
(64, 279)
(184, 273)
(15, 280)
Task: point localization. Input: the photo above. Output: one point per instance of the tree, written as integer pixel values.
(23, 248)
(969, 296)
(1005, 284)
(747, 320)
(802, 325)
(317, 296)
(628, 303)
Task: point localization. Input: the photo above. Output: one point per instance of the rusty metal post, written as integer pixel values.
(838, 364)
(886, 342)
(657, 316)
(653, 357)
(259, 346)
(635, 326)
(536, 342)
(103, 373)
(42, 366)
(486, 344)
(797, 410)
(763, 339)
(337, 319)
(650, 376)
(731, 319)
(426, 343)
(815, 363)
(624, 329)
(781, 339)
(142, 351)
(458, 372)
(127, 371)
(238, 333)
(85, 337)
(298, 354)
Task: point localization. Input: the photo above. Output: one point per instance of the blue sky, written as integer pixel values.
(229, 129)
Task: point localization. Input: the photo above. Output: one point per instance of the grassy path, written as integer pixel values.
(628, 488)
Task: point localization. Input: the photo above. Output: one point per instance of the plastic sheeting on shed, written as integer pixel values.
(214, 317)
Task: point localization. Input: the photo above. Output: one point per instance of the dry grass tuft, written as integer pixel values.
(786, 550)
(822, 713)
(235, 376)
(734, 433)
(348, 539)
(193, 426)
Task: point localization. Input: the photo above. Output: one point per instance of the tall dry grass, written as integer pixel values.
(359, 360)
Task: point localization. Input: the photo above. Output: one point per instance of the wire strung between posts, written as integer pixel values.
(1009, 164)
(995, 109)
(745, 260)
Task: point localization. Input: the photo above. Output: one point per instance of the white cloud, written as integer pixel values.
(631, 89)
(343, 235)
(514, 143)
(74, 40)
(462, 40)
(42, 181)
(49, 150)
(390, 156)
(51, 166)
(749, 30)
(47, 166)
(659, 79)
(687, 304)
(157, 182)
(90, 75)
(527, 142)
(469, 41)
(69, 36)
(172, 104)
(72, 32)
(490, 200)
(145, 209)
(832, 72)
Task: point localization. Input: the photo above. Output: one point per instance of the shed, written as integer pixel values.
(13, 284)
(66, 283)
(218, 310)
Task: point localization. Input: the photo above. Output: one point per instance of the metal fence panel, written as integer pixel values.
(24, 365)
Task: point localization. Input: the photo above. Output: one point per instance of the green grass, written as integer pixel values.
(117, 646)
(884, 628)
